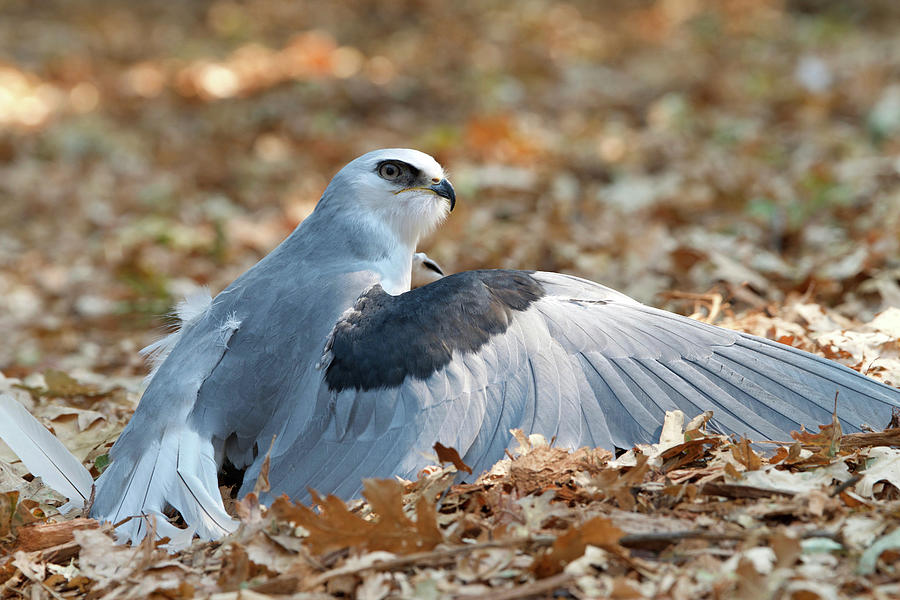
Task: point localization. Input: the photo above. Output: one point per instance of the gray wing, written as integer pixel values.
(234, 376)
(160, 460)
(467, 358)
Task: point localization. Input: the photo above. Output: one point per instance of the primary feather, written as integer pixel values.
(487, 351)
(43, 453)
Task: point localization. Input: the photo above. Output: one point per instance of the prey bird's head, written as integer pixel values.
(404, 190)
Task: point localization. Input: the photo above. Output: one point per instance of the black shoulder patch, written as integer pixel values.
(386, 339)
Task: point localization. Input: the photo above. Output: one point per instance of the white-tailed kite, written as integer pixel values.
(322, 347)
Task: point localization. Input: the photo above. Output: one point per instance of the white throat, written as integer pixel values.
(394, 252)
(396, 272)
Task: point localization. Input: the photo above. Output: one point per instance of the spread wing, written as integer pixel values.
(467, 358)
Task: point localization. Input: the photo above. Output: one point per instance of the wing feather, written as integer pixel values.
(43, 454)
(159, 460)
(582, 363)
(493, 436)
(764, 393)
(569, 431)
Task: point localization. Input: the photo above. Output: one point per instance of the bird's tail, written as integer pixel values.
(179, 471)
(43, 454)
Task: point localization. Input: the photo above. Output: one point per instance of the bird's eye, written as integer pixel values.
(389, 171)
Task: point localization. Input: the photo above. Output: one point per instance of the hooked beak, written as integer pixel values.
(445, 190)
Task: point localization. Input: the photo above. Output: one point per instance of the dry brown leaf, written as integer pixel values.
(264, 551)
(8, 502)
(624, 589)
(249, 511)
(751, 583)
(450, 455)
(235, 570)
(827, 442)
(598, 531)
(336, 527)
(262, 480)
(85, 418)
(745, 455)
(787, 550)
(17, 512)
(63, 385)
(619, 483)
(104, 561)
(683, 454)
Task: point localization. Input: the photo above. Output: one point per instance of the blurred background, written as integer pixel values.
(745, 147)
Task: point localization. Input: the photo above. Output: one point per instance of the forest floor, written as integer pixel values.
(736, 161)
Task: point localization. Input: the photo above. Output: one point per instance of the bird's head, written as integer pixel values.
(404, 190)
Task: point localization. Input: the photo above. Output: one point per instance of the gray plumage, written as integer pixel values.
(322, 347)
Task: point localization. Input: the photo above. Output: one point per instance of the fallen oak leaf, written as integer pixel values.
(83, 418)
(618, 482)
(17, 512)
(9, 501)
(787, 455)
(235, 570)
(447, 454)
(744, 454)
(787, 550)
(63, 385)
(599, 532)
(688, 452)
(693, 427)
(385, 496)
(262, 480)
(828, 440)
(336, 527)
(386, 562)
(102, 560)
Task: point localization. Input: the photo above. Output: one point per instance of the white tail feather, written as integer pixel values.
(180, 472)
(43, 454)
(201, 502)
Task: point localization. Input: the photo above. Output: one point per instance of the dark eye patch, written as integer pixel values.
(409, 175)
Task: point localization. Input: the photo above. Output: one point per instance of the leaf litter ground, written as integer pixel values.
(696, 515)
(746, 150)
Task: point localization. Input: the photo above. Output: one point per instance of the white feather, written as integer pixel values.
(186, 311)
(174, 469)
(43, 454)
(181, 472)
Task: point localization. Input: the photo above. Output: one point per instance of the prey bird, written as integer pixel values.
(323, 347)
